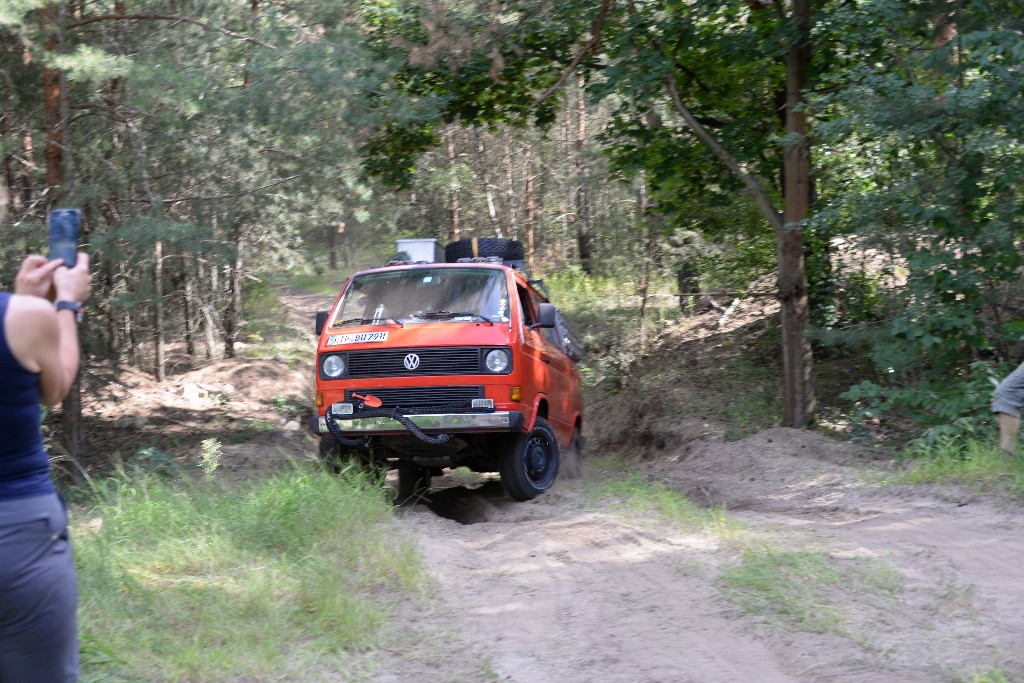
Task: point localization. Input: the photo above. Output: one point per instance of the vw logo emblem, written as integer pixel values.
(411, 362)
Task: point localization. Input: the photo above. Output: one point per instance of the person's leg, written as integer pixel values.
(38, 593)
(1009, 428)
(1006, 403)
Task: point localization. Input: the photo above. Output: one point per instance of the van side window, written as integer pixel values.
(526, 306)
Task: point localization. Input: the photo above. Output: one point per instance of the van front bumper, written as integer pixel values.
(500, 421)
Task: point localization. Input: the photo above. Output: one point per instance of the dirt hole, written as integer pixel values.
(465, 505)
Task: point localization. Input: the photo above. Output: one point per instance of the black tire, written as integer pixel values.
(412, 481)
(509, 250)
(529, 462)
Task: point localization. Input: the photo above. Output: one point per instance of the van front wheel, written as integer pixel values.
(529, 462)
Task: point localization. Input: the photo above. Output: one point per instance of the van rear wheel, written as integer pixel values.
(529, 462)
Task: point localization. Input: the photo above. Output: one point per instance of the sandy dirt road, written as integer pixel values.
(570, 588)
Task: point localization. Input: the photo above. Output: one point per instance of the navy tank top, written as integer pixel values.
(24, 467)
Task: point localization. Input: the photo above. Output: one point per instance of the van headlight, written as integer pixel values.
(332, 366)
(497, 360)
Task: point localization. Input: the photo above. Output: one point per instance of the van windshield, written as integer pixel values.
(425, 295)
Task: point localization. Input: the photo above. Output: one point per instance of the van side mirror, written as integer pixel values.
(546, 317)
(321, 321)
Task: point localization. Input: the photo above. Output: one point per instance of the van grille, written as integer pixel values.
(420, 397)
(459, 360)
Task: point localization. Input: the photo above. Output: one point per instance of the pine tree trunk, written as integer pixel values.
(332, 248)
(53, 96)
(209, 325)
(233, 315)
(158, 312)
(188, 301)
(584, 233)
(511, 196)
(645, 286)
(28, 174)
(492, 212)
(109, 284)
(453, 187)
(531, 248)
(71, 425)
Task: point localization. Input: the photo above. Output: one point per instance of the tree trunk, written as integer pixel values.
(531, 247)
(233, 315)
(53, 94)
(209, 325)
(492, 212)
(71, 425)
(797, 387)
(645, 286)
(332, 247)
(158, 312)
(188, 300)
(109, 285)
(512, 197)
(584, 233)
(453, 187)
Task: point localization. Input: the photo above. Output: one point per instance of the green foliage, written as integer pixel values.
(948, 405)
(185, 583)
(932, 172)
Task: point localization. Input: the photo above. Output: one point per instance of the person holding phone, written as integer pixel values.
(39, 359)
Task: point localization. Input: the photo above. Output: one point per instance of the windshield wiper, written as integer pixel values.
(440, 315)
(368, 321)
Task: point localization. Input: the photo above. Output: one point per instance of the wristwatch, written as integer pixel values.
(75, 306)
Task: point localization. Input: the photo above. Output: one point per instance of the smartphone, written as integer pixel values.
(64, 225)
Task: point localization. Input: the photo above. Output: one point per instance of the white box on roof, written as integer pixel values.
(421, 249)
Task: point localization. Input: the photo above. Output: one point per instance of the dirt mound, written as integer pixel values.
(255, 409)
(251, 380)
(778, 469)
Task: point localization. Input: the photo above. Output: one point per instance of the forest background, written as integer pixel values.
(859, 161)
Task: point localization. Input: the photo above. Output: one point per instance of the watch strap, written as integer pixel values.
(75, 306)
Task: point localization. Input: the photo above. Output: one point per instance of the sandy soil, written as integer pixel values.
(568, 588)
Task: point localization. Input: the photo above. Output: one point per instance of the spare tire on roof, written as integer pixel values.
(508, 250)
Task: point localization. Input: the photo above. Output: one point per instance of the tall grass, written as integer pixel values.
(974, 462)
(285, 580)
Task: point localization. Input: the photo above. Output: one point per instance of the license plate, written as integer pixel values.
(356, 338)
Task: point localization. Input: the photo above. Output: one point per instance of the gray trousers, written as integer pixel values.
(38, 593)
(1009, 395)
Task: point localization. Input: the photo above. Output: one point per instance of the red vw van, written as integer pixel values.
(434, 362)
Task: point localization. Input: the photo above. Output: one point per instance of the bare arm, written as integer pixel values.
(42, 339)
(40, 342)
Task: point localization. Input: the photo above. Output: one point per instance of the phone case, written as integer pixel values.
(64, 225)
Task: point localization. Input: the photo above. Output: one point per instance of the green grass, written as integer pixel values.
(986, 676)
(657, 503)
(287, 579)
(976, 463)
(806, 588)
